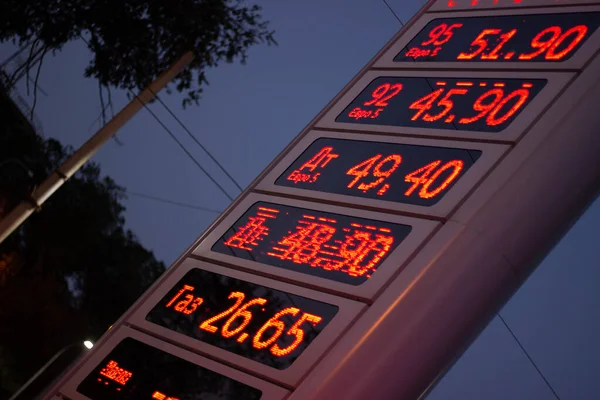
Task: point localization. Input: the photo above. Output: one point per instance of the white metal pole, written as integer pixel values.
(26, 207)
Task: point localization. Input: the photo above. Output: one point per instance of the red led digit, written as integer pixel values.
(522, 94)
(441, 30)
(479, 105)
(395, 159)
(542, 45)
(296, 331)
(362, 251)
(480, 42)
(273, 323)
(425, 193)
(446, 103)
(579, 31)
(379, 95)
(422, 179)
(242, 312)
(206, 325)
(303, 245)
(435, 34)
(424, 103)
(361, 173)
(493, 55)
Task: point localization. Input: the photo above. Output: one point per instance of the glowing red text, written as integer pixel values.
(238, 316)
(358, 254)
(159, 396)
(113, 372)
(306, 173)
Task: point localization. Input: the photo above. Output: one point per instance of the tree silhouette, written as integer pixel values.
(133, 41)
(72, 268)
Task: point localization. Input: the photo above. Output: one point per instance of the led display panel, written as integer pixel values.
(447, 5)
(401, 173)
(332, 246)
(521, 38)
(260, 323)
(487, 105)
(134, 370)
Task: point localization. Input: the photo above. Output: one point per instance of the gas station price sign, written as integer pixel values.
(401, 173)
(262, 324)
(134, 370)
(332, 246)
(521, 38)
(487, 105)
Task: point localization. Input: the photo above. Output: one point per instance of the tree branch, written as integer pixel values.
(35, 84)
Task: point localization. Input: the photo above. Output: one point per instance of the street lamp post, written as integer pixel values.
(25, 392)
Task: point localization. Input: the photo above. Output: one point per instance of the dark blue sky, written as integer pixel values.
(246, 117)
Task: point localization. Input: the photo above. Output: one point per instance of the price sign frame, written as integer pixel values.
(291, 376)
(269, 390)
(367, 291)
(442, 5)
(582, 56)
(491, 154)
(557, 81)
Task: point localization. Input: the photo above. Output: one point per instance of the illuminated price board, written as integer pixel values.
(486, 105)
(402, 173)
(135, 370)
(443, 5)
(260, 323)
(522, 38)
(336, 247)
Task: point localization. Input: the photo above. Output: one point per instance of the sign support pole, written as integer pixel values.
(25, 208)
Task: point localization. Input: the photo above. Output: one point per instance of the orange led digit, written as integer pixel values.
(297, 333)
(493, 55)
(480, 43)
(479, 105)
(580, 31)
(395, 161)
(426, 193)
(420, 176)
(508, 38)
(522, 94)
(551, 34)
(359, 172)
(242, 312)
(206, 325)
(446, 103)
(425, 103)
(274, 323)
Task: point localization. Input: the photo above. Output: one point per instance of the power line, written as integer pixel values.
(528, 357)
(183, 148)
(172, 202)
(392, 11)
(196, 140)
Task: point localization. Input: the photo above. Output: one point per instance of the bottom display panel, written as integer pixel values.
(132, 365)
